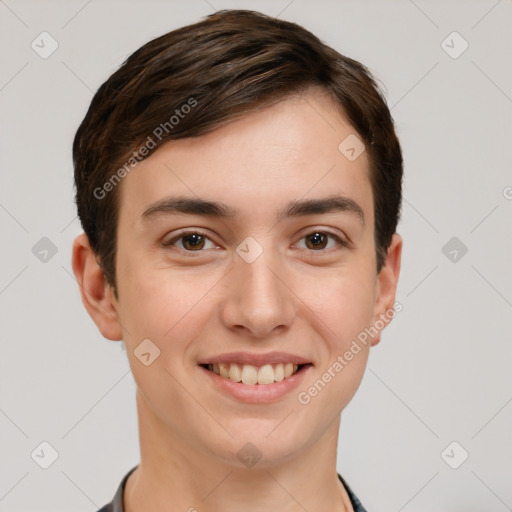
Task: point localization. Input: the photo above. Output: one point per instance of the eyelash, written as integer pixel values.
(184, 234)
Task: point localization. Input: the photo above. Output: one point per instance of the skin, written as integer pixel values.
(307, 301)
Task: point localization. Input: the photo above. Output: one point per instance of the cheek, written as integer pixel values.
(155, 299)
(169, 311)
(343, 303)
(343, 299)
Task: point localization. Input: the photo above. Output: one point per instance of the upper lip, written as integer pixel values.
(254, 358)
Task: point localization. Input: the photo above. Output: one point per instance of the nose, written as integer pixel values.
(258, 301)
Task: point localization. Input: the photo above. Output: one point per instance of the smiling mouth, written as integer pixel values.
(250, 374)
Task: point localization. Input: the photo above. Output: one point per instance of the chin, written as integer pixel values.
(259, 447)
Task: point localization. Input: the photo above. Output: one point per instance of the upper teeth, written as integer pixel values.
(249, 374)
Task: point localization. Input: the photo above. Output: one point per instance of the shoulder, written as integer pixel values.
(106, 508)
(117, 505)
(356, 504)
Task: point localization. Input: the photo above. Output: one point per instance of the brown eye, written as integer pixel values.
(190, 241)
(193, 241)
(316, 241)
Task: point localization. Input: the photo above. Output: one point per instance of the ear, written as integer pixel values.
(97, 295)
(387, 281)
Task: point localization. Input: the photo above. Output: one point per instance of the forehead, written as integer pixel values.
(294, 149)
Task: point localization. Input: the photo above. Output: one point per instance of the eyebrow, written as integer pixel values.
(295, 208)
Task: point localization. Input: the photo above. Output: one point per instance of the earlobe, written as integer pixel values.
(96, 293)
(387, 282)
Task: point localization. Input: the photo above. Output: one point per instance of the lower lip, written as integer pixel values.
(257, 393)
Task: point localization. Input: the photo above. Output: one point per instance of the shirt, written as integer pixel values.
(117, 505)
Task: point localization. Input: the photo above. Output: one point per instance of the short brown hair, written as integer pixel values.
(224, 66)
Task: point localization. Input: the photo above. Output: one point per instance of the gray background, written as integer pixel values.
(442, 370)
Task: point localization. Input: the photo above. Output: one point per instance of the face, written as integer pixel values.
(279, 271)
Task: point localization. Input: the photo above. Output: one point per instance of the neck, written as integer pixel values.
(174, 473)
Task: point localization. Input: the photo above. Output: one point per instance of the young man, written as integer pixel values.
(239, 185)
